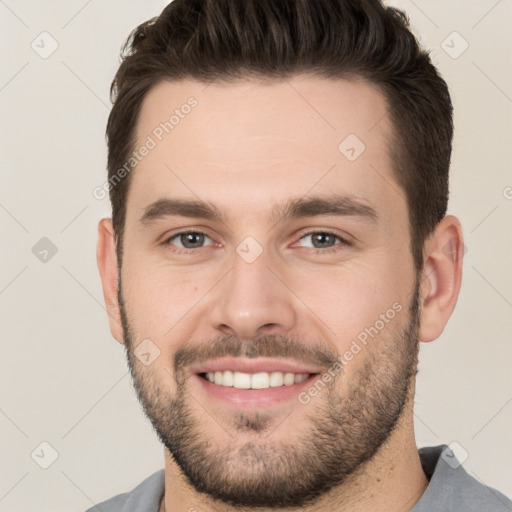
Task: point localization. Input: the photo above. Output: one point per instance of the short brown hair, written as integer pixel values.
(226, 40)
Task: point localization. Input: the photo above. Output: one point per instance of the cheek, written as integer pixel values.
(348, 300)
(158, 296)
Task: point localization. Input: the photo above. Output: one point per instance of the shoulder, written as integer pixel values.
(145, 497)
(452, 489)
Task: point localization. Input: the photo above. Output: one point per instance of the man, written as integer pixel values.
(279, 245)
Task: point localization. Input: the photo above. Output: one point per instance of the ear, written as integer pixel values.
(442, 276)
(107, 265)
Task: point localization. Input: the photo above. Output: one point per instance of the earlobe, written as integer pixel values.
(107, 265)
(441, 278)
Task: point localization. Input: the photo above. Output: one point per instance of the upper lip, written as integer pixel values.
(256, 365)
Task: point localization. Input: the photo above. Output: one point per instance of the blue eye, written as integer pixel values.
(322, 240)
(319, 241)
(189, 240)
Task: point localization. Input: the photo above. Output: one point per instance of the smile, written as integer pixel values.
(261, 380)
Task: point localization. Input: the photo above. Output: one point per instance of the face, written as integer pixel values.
(267, 272)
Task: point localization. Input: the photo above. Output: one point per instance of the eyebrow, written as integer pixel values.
(340, 205)
(179, 207)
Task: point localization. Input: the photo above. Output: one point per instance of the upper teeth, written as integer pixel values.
(261, 380)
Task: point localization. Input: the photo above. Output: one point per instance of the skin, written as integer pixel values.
(246, 148)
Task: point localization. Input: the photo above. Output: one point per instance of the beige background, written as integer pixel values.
(64, 380)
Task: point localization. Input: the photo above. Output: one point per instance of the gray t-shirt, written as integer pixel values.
(451, 489)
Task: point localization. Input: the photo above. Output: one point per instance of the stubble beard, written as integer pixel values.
(337, 433)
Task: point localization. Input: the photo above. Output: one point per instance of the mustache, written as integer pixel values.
(263, 346)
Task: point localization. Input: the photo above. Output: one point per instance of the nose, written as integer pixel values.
(252, 300)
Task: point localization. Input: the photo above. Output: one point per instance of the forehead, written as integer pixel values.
(248, 144)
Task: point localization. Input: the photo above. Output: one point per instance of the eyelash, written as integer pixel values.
(335, 248)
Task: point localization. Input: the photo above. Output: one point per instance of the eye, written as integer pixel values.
(323, 240)
(189, 240)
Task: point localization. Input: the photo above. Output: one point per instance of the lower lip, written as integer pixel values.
(241, 398)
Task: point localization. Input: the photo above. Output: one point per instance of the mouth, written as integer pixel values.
(261, 380)
(253, 383)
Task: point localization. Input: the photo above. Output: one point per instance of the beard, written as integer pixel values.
(340, 432)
